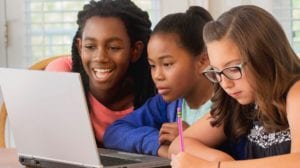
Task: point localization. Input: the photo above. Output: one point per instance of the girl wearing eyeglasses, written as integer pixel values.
(256, 105)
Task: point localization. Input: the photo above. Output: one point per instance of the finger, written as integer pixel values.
(167, 143)
(170, 125)
(165, 131)
(169, 130)
(163, 140)
(167, 137)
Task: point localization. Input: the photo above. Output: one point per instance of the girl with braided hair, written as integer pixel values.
(177, 57)
(109, 52)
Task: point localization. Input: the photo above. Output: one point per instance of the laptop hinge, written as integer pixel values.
(29, 161)
(32, 162)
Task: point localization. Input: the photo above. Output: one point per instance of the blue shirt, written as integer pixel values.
(139, 131)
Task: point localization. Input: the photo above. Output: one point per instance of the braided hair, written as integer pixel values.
(188, 26)
(138, 27)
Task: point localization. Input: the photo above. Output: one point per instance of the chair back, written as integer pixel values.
(40, 65)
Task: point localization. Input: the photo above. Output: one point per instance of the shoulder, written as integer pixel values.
(63, 64)
(293, 114)
(293, 93)
(293, 99)
(158, 102)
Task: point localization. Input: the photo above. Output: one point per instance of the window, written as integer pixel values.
(51, 25)
(296, 25)
(282, 12)
(288, 14)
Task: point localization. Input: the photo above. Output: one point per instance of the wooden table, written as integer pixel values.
(9, 158)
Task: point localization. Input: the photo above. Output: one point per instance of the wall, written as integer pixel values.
(2, 34)
(16, 33)
(217, 7)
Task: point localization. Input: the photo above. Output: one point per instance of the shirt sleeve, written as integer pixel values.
(139, 131)
(63, 64)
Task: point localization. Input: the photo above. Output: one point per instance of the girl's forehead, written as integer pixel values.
(105, 27)
(166, 36)
(96, 19)
(223, 53)
(166, 47)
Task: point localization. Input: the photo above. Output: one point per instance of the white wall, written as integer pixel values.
(217, 7)
(171, 6)
(11, 15)
(277, 8)
(2, 40)
(2, 34)
(16, 28)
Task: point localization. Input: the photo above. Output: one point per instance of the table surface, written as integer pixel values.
(9, 158)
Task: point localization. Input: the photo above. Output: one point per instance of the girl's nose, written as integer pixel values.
(101, 55)
(226, 83)
(157, 74)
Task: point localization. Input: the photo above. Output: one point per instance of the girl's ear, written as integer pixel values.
(203, 62)
(79, 45)
(136, 51)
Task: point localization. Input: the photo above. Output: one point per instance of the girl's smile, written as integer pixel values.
(102, 74)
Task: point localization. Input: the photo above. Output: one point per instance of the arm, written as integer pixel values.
(293, 116)
(185, 160)
(290, 160)
(139, 131)
(200, 139)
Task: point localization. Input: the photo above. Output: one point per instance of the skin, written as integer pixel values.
(201, 138)
(106, 55)
(176, 73)
(228, 55)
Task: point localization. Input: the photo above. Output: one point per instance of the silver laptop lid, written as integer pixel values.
(40, 104)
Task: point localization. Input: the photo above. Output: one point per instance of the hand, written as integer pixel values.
(163, 151)
(185, 160)
(169, 131)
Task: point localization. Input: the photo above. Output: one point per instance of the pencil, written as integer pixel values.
(179, 124)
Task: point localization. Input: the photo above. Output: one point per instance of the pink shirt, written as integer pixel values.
(101, 116)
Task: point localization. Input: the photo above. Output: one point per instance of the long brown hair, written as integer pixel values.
(271, 62)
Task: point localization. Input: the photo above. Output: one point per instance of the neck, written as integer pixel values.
(200, 94)
(117, 98)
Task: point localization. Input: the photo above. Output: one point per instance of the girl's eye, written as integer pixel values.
(89, 46)
(233, 69)
(152, 66)
(114, 48)
(168, 64)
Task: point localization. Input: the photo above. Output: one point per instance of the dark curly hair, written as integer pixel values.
(138, 27)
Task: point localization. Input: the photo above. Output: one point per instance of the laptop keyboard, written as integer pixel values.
(112, 161)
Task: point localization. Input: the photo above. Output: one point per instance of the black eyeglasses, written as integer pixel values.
(232, 73)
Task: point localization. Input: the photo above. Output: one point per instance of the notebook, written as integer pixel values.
(51, 125)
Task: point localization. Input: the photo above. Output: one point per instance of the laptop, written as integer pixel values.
(51, 125)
